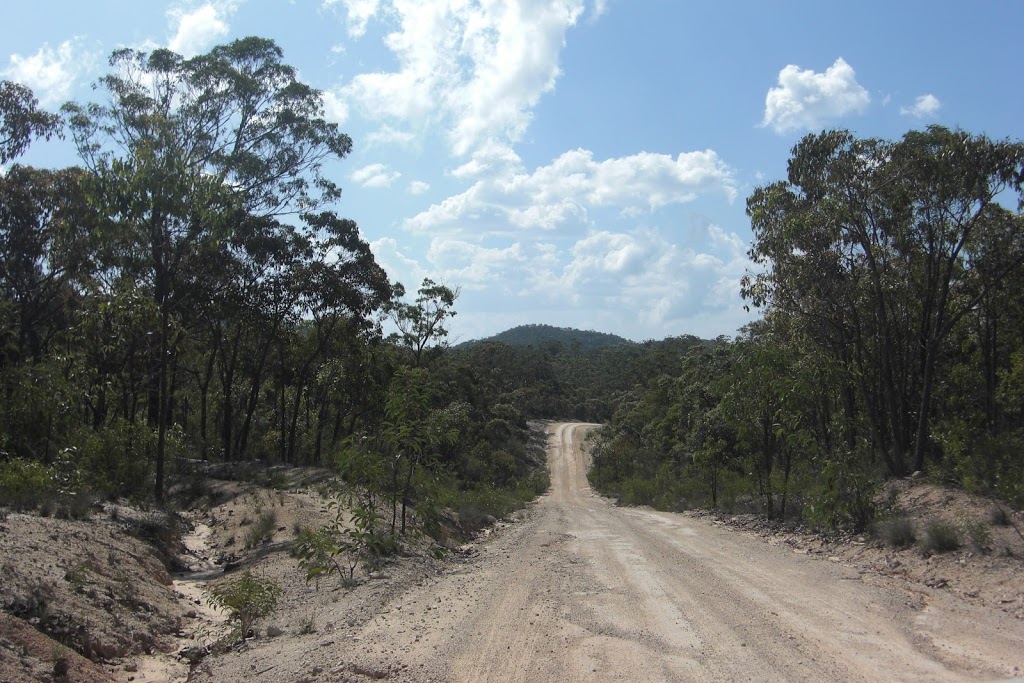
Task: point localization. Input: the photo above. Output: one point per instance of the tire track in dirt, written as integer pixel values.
(586, 591)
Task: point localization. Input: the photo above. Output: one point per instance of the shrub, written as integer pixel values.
(339, 550)
(26, 485)
(263, 530)
(979, 533)
(115, 460)
(897, 532)
(998, 516)
(941, 537)
(247, 600)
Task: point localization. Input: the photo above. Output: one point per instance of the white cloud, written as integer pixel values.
(491, 156)
(923, 107)
(649, 282)
(471, 265)
(575, 183)
(50, 72)
(805, 100)
(388, 135)
(359, 13)
(396, 263)
(335, 108)
(418, 187)
(645, 283)
(375, 175)
(200, 28)
(476, 67)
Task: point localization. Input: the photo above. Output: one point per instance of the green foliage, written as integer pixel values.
(341, 547)
(247, 599)
(941, 536)
(547, 336)
(897, 531)
(116, 460)
(844, 497)
(25, 484)
(21, 120)
(979, 534)
(262, 530)
(422, 323)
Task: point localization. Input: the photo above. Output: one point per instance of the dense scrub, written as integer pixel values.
(186, 296)
(890, 279)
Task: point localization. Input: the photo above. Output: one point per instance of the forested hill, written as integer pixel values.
(546, 335)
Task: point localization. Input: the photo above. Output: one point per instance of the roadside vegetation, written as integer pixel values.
(889, 276)
(187, 299)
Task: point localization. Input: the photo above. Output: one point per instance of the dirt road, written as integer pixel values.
(586, 591)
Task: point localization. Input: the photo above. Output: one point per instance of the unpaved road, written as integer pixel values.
(586, 591)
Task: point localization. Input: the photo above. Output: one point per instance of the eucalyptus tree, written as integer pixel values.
(21, 120)
(44, 267)
(422, 322)
(873, 247)
(183, 151)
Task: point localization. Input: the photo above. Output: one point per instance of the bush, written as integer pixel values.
(979, 534)
(941, 537)
(844, 497)
(247, 600)
(263, 530)
(339, 550)
(115, 460)
(897, 532)
(27, 485)
(998, 516)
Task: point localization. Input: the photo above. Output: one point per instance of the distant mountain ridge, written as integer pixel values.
(541, 335)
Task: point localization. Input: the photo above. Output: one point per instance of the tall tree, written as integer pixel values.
(872, 248)
(21, 120)
(422, 323)
(183, 151)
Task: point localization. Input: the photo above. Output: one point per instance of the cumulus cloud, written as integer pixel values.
(477, 68)
(491, 156)
(50, 72)
(358, 14)
(375, 175)
(923, 107)
(473, 265)
(599, 8)
(399, 266)
(643, 283)
(389, 135)
(649, 281)
(574, 183)
(200, 28)
(418, 187)
(335, 108)
(806, 100)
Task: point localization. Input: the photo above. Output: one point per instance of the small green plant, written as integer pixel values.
(998, 516)
(77, 576)
(25, 484)
(308, 625)
(897, 532)
(78, 505)
(338, 549)
(979, 533)
(247, 599)
(941, 537)
(263, 530)
(59, 657)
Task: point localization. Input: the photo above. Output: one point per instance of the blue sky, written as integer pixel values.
(579, 163)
